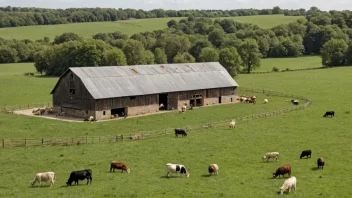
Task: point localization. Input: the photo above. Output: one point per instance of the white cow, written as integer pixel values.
(273, 155)
(288, 185)
(176, 168)
(44, 177)
(91, 118)
(266, 101)
(184, 107)
(232, 124)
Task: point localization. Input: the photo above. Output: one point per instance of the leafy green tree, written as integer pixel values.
(333, 52)
(65, 37)
(114, 57)
(8, 54)
(264, 46)
(171, 23)
(231, 60)
(184, 58)
(43, 58)
(216, 37)
(134, 52)
(349, 54)
(250, 54)
(175, 45)
(160, 56)
(149, 57)
(198, 46)
(209, 54)
(276, 10)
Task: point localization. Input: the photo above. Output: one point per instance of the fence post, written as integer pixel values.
(3, 143)
(86, 140)
(99, 139)
(42, 141)
(117, 138)
(25, 141)
(122, 137)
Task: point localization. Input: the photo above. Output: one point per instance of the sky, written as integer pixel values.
(182, 4)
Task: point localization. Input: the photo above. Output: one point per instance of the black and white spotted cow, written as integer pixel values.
(176, 168)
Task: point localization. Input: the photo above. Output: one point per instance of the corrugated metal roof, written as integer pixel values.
(120, 81)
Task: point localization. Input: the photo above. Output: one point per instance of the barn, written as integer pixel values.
(137, 90)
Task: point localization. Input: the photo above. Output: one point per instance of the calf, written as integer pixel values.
(119, 165)
(321, 163)
(282, 170)
(180, 132)
(288, 185)
(266, 101)
(307, 153)
(44, 177)
(232, 124)
(295, 102)
(213, 169)
(271, 155)
(75, 176)
(329, 113)
(176, 168)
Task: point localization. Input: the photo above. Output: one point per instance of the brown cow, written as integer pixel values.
(282, 170)
(119, 165)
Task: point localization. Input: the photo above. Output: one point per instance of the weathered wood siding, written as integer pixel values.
(81, 100)
(114, 103)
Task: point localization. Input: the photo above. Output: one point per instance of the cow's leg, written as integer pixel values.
(167, 174)
(122, 171)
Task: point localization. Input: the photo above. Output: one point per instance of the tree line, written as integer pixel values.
(237, 46)
(18, 16)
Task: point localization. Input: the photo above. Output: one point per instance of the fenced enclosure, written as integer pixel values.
(12, 108)
(140, 135)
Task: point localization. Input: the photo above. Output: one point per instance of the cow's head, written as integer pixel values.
(264, 157)
(274, 175)
(128, 170)
(187, 174)
(32, 182)
(69, 183)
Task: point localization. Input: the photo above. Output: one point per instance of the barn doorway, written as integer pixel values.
(192, 102)
(163, 100)
(220, 100)
(199, 102)
(120, 112)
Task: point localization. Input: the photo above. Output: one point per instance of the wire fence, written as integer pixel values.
(25, 142)
(286, 70)
(13, 108)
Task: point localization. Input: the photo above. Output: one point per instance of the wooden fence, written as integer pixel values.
(25, 142)
(284, 70)
(12, 108)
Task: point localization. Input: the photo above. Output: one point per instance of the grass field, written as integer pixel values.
(291, 63)
(237, 152)
(129, 27)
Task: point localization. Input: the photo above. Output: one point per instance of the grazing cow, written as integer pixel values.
(180, 132)
(44, 177)
(176, 168)
(266, 101)
(288, 185)
(213, 169)
(321, 162)
(282, 170)
(271, 155)
(184, 108)
(119, 165)
(295, 102)
(329, 113)
(91, 119)
(232, 124)
(75, 176)
(307, 153)
(161, 106)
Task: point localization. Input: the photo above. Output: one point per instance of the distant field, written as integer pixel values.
(291, 63)
(128, 27)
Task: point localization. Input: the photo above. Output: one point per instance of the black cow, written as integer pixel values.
(295, 102)
(330, 113)
(75, 176)
(180, 132)
(306, 153)
(321, 162)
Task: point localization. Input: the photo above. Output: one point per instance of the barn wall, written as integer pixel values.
(137, 105)
(172, 101)
(73, 104)
(226, 94)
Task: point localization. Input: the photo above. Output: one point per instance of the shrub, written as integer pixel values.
(275, 69)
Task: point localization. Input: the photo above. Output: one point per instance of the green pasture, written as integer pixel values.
(303, 62)
(129, 27)
(237, 151)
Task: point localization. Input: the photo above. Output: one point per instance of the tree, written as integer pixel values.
(134, 52)
(250, 54)
(230, 59)
(114, 57)
(8, 55)
(198, 46)
(171, 23)
(160, 56)
(216, 37)
(184, 58)
(65, 37)
(175, 45)
(349, 54)
(276, 10)
(42, 59)
(333, 52)
(148, 57)
(209, 54)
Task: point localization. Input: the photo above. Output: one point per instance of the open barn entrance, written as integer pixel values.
(163, 100)
(120, 112)
(220, 100)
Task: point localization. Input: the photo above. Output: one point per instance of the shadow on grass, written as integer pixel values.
(174, 176)
(43, 76)
(206, 175)
(314, 169)
(38, 186)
